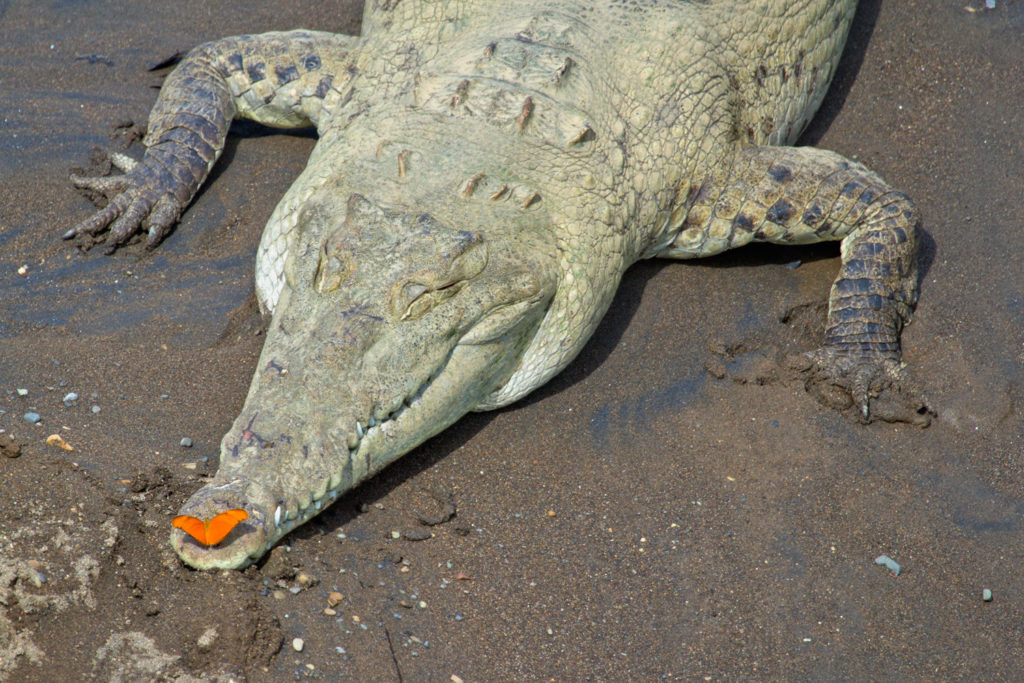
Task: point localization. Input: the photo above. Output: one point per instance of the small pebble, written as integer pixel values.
(207, 639)
(95, 409)
(334, 597)
(37, 578)
(298, 644)
(888, 563)
(186, 442)
(330, 612)
(417, 534)
(9, 447)
(32, 417)
(56, 440)
(305, 580)
(396, 534)
(986, 595)
(70, 398)
(22, 392)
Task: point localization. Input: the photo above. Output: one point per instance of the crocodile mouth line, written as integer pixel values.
(360, 438)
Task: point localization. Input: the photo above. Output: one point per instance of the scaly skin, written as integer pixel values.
(486, 172)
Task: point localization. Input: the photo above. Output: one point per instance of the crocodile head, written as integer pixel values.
(391, 326)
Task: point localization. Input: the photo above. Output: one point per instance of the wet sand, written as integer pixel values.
(636, 519)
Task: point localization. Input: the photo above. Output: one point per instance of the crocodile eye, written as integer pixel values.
(419, 307)
(421, 299)
(331, 271)
(412, 291)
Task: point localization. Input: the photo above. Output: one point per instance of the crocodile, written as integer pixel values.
(484, 174)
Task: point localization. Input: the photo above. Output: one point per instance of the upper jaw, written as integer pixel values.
(285, 485)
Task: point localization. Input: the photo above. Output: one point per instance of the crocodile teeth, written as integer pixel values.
(277, 516)
(359, 430)
(321, 490)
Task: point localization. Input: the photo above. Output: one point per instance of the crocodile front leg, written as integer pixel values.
(800, 195)
(285, 80)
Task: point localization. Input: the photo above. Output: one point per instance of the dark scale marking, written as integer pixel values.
(286, 74)
(743, 222)
(311, 62)
(257, 72)
(852, 189)
(202, 126)
(871, 249)
(760, 75)
(813, 215)
(779, 173)
(324, 86)
(703, 193)
(234, 61)
(781, 212)
(868, 196)
(248, 435)
(785, 75)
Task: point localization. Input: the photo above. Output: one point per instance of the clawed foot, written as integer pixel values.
(148, 196)
(878, 388)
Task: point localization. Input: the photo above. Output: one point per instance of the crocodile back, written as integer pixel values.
(784, 56)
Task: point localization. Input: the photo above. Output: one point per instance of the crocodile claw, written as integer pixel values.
(148, 196)
(878, 387)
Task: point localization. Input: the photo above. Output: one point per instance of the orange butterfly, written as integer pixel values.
(210, 531)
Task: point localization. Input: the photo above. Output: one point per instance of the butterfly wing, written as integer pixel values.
(212, 531)
(193, 526)
(221, 525)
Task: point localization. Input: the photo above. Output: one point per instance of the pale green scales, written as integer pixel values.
(486, 172)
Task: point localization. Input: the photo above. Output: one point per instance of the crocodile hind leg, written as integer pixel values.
(285, 80)
(800, 195)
